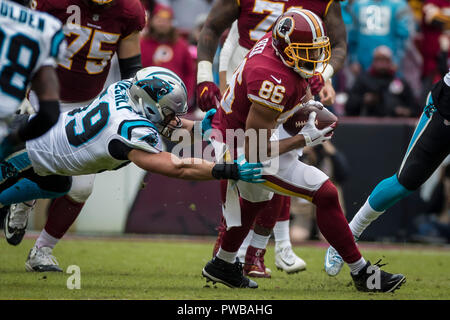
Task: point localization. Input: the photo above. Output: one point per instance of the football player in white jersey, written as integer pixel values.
(122, 125)
(30, 44)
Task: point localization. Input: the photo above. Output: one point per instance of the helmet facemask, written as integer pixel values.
(300, 41)
(309, 59)
(170, 122)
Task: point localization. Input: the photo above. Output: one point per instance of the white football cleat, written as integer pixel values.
(333, 262)
(41, 260)
(287, 260)
(16, 222)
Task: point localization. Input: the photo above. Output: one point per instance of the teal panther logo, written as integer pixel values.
(155, 87)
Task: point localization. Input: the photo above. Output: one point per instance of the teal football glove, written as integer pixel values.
(207, 121)
(248, 172)
(251, 172)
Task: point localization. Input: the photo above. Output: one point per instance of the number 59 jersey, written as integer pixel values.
(29, 40)
(95, 138)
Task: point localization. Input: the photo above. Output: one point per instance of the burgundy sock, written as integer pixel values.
(234, 237)
(271, 212)
(61, 215)
(332, 223)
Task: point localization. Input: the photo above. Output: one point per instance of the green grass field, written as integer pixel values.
(171, 270)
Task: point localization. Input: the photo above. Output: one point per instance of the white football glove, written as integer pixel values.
(313, 103)
(314, 136)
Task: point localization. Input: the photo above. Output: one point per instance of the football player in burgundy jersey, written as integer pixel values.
(95, 30)
(254, 19)
(269, 86)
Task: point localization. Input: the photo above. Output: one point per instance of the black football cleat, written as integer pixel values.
(372, 279)
(229, 274)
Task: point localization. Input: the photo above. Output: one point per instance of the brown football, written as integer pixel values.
(296, 123)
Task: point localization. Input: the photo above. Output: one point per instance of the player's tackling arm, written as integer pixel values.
(169, 165)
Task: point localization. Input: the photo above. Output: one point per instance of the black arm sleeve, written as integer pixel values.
(129, 66)
(46, 118)
(226, 171)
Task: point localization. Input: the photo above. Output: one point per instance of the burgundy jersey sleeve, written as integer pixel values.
(134, 14)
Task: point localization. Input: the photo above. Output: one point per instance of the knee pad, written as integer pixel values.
(387, 193)
(81, 188)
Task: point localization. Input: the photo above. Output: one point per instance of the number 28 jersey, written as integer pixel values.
(256, 17)
(28, 41)
(95, 138)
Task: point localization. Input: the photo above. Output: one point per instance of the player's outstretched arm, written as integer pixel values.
(169, 165)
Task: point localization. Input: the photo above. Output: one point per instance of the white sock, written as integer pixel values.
(259, 241)
(356, 266)
(46, 240)
(226, 256)
(363, 218)
(281, 231)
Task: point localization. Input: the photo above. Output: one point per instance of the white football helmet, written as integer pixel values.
(161, 96)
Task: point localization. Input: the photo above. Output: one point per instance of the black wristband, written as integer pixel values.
(45, 118)
(226, 171)
(129, 66)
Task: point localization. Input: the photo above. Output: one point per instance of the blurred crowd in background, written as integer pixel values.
(397, 49)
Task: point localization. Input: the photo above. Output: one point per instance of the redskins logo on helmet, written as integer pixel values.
(300, 40)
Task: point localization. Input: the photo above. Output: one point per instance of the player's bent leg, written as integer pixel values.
(25, 190)
(62, 213)
(225, 267)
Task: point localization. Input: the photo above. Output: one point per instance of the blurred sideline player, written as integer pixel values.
(254, 19)
(107, 27)
(31, 43)
(122, 125)
(428, 148)
(268, 87)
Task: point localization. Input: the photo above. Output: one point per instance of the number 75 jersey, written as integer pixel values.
(92, 37)
(28, 41)
(257, 17)
(95, 138)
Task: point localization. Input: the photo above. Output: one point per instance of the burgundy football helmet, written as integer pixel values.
(299, 39)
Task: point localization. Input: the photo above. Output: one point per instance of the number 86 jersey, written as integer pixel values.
(95, 138)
